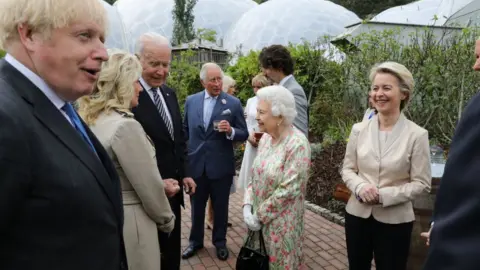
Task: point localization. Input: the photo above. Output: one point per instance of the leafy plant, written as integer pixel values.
(206, 34)
(183, 19)
(184, 76)
(440, 64)
(243, 72)
(337, 92)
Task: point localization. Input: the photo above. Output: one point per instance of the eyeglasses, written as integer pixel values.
(215, 79)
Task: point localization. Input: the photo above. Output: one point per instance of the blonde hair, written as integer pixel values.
(262, 80)
(404, 76)
(114, 89)
(228, 82)
(42, 16)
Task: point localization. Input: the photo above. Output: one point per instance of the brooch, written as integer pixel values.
(224, 101)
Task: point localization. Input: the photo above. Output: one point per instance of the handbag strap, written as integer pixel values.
(249, 237)
(263, 249)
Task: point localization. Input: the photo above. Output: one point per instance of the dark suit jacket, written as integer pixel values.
(60, 204)
(209, 151)
(171, 154)
(455, 237)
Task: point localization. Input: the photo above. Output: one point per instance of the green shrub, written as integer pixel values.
(184, 76)
(243, 72)
(444, 80)
(2, 54)
(337, 92)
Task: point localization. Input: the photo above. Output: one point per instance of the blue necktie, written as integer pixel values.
(70, 111)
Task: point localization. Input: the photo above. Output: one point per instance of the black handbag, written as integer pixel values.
(253, 255)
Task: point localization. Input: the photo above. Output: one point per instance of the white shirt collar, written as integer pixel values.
(284, 80)
(36, 80)
(207, 95)
(145, 84)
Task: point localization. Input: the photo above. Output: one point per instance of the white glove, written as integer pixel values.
(251, 220)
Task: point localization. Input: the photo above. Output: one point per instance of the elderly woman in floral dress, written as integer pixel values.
(274, 199)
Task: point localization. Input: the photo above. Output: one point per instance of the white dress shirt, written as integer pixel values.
(207, 104)
(40, 83)
(164, 104)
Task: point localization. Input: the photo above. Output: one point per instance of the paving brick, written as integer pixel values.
(325, 255)
(324, 244)
(199, 267)
(208, 261)
(337, 264)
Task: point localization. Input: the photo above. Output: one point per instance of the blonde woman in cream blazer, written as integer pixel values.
(146, 207)
(386, 166)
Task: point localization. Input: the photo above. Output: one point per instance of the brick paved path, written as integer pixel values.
(324, 246)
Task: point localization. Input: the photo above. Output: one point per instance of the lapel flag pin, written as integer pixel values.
(224, 101)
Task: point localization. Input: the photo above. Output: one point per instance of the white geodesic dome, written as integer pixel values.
(117, 36)
(433, 12)
(141, 16)
(220, 15)
(419, 12)
(284, 21)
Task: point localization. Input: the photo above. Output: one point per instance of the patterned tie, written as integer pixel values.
(162, 111)
(70, 111)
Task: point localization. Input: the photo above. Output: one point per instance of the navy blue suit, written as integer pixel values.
(60, 203)
(211, 161)
(455, 237)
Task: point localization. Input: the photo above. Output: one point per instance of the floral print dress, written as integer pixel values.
(277, 195)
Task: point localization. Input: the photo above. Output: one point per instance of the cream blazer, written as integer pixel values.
(145, 203)
(401, 172)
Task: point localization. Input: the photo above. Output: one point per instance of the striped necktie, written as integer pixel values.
(162, 111)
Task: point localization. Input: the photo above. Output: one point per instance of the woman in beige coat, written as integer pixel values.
(107, 112)
(386, 166)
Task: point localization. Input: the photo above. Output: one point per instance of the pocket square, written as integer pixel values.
(226, 112)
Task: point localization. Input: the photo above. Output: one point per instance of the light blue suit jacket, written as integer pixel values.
(210, 151)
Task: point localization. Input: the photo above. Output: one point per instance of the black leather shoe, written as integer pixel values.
(222, 253)
(190, 251)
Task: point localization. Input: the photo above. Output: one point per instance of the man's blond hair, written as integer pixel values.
(45, 15)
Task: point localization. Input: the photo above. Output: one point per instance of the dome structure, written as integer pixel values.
(220, 15)
(420, 12)
(116, 36)
(142, 16)
(468, 15)
(429, 12)
(273, 23)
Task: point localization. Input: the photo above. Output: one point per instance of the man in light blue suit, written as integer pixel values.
(213, 121)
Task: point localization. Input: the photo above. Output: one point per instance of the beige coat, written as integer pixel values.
(146, 206)
(401, 171)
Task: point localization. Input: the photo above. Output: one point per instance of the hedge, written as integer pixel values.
(338, 91)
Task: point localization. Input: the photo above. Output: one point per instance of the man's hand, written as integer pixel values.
(224, 126)
(189, 185)
(426, 235)
(171, 187)
(369, 194)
